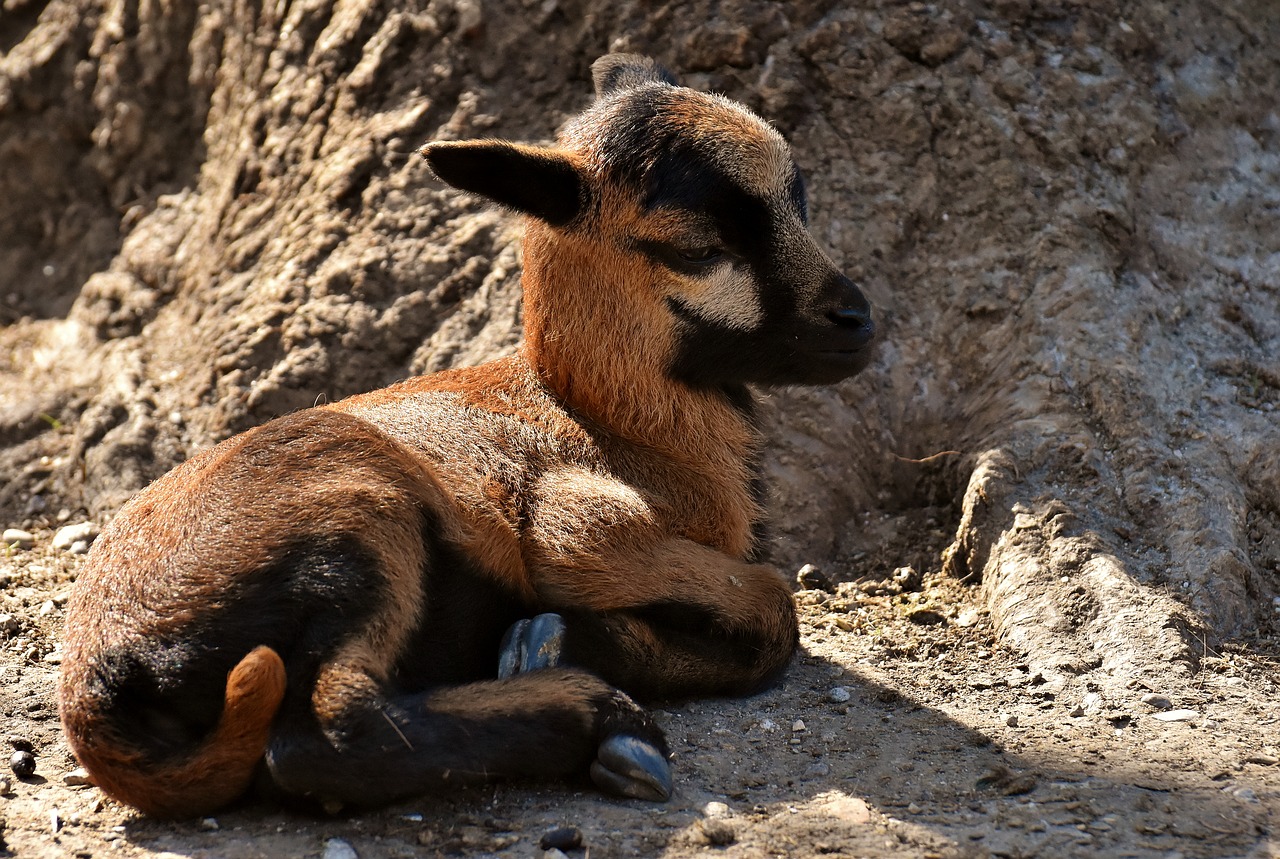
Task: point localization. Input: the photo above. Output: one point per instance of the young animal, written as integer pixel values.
(319, 604)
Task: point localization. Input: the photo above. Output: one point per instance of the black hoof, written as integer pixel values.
(630, 766)
(531, 644)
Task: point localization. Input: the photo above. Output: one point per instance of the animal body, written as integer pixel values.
(468, 575)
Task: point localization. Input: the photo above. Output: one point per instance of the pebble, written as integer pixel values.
(336, 848)
(1263, 760)
(209, 824)
(1175, 715)
(78, 777)
(817, 769)
(6, 785)
(69, 536)
(1011, 720)
(811, 578)
(554, 853)
(23, 764)
(719, 833)
(8, 623)
(839, 695)
(1157, 702)
(717, 811)
(561, 838)
(797, 726)
(18, 538)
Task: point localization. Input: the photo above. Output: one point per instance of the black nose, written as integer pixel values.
(848, 307)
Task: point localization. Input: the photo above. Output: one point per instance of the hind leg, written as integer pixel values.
(352, 745)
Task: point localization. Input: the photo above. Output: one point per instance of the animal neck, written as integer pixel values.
(597, 334)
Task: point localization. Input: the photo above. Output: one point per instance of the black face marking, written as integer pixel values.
(812, 325)
(694, 261)
(796, 194)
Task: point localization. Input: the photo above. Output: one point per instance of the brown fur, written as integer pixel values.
(365, 555)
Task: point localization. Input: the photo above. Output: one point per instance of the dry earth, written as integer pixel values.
(903, 729)
(1067, 213)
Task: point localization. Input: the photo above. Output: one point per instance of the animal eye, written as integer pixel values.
(700, 256)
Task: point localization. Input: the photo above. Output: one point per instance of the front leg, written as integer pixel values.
(658, 615)
(693, 639)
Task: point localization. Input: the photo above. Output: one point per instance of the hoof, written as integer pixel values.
(630, 766)
(531, 644)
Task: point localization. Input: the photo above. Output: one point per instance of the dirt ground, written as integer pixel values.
(1066, 214)
(903, 729)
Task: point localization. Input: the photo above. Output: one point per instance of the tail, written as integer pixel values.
(220, 770)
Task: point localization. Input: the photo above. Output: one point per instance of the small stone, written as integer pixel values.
(768, 726)
(1247, 794)
(23, 764)
(717, 811)
(561, 838)
(811, 578)
(927, 617)
(1157, 702)
(797, 726)
(69, 535)
(1262, 760)
(79, 547)
(336, 848)
(6, 785)
(1176, 715)
(839, 695)
(209, 824)
(817, 769)
(914, 809)
(1011, 720)
(17, 538)
(78, 777)
(21, 744)
(719, 833)
(8, 623)
(554, 853)
(47, 608)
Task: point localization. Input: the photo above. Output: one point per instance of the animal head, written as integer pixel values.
(678, 220)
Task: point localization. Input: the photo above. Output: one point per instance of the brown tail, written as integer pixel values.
(221, 768)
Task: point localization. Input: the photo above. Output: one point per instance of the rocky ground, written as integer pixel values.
(1066, 213)
(902, 729)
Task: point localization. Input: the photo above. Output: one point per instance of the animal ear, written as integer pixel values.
(618, 72)
(534, 180)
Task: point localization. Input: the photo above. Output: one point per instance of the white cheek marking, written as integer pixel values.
(727, 296)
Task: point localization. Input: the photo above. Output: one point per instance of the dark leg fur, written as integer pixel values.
(666, 652)
(552, 723)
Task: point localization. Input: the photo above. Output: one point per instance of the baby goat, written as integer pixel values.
(454, 578)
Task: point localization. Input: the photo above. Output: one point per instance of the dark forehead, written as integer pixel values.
(663, 137)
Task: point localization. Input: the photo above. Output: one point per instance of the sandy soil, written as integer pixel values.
(902, 729)
(1066, 214)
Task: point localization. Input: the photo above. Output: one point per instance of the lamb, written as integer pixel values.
(469, 575)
